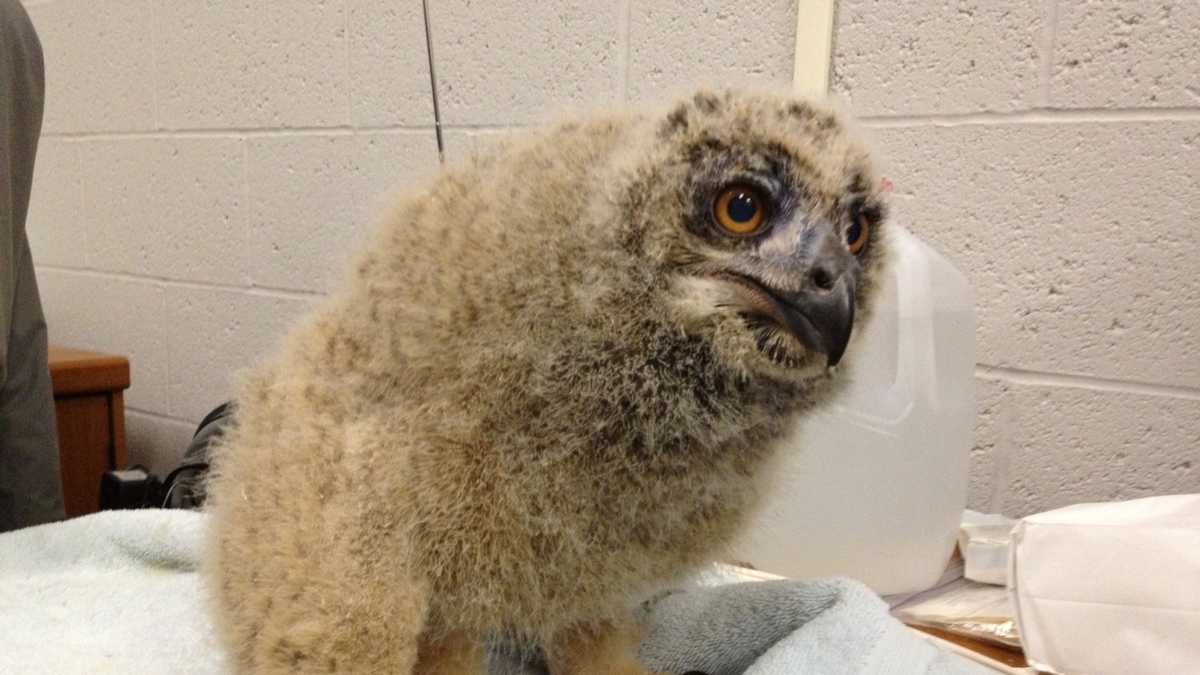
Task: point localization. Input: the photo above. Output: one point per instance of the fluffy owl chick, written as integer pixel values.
(551, 385)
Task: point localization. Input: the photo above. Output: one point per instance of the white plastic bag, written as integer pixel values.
(1110, 588)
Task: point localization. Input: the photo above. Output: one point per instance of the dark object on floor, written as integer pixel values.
(183, 488)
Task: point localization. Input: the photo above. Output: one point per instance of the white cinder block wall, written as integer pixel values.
(206, 167)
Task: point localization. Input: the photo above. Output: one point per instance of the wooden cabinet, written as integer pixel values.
(89, 403)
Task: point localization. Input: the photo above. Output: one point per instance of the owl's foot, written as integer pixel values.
(598, 649)
(455, 654)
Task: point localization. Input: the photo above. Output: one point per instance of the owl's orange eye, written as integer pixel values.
(739, 210)
(858, 233)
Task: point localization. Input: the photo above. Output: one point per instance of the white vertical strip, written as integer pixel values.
(814, 46)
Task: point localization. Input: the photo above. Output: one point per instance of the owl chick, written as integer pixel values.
(551, 385)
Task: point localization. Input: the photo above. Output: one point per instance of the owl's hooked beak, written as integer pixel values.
(820, 318)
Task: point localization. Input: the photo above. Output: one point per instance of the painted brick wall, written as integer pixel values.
(1051, 148)
(206, 167)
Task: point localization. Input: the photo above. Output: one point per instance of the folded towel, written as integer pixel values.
(781, 627)
(828, 626)
(119, 592)
(114, 592)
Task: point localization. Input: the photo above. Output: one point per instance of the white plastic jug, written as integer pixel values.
(873, 486)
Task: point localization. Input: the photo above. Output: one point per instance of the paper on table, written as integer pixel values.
(1110, 588)
(963, 607)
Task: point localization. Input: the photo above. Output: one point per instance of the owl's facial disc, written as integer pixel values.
(789, 273)
(779, 212)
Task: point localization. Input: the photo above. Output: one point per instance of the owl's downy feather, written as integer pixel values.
(551, 383)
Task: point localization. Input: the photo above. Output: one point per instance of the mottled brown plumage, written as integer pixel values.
(550, 386)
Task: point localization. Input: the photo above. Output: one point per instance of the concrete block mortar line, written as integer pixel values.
(83, 208)
(1032, 116)
(487, 127)
(168, 282)
(1042, 116)
(1078, 381)
(154, 71)
(1002, 453)
(1038, 116)
(247, 198)
(240, 132)
(346, 11)
(1049, 36)
(167, 343)
(1048, 49)
(623, 51)
(167, 396)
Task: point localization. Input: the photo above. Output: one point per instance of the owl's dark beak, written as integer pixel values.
(820, 316)
(821, 319)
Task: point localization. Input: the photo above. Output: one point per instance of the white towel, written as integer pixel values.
(119, 592)
(114, 592)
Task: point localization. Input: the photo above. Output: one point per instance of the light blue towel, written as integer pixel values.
(119, 592)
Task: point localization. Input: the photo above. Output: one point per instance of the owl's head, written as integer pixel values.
(767, 220)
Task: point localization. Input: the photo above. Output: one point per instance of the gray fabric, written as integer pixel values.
(724, 630)
(30, 487)
(826, 626)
